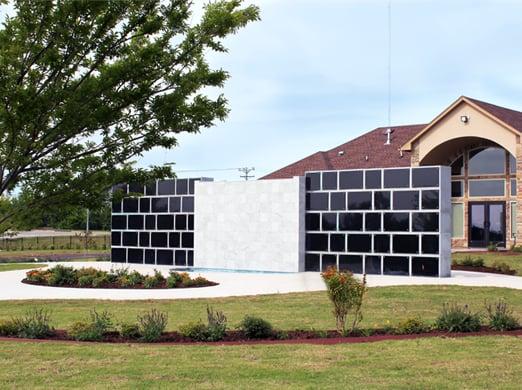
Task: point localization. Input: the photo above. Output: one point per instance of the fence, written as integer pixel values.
(55, 242)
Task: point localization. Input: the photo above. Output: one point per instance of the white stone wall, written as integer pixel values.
(250, 225)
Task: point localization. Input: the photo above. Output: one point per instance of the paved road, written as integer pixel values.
(232, 284)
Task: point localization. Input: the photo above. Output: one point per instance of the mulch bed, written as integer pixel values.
(162, 286)
(490, 270)
(293, 337)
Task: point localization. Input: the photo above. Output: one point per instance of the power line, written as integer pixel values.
(244, 170)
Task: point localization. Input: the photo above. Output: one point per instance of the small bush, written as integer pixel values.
(492, 247)
(86, 281)
(35, 324)
(256, 327)
(217, 324)
(412, 326)
(503, 267)
(500, 316)
(455, 318)
(130, 331)
(174, 279)
(8, 328)
(196, 331)
(92, 330)
(472, 262)
(196, 282)
(517, 248)
(100, 281)
(152, 324)
(62, 276)
(150, 282)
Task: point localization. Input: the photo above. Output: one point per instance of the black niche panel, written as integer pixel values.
(116, 238)
(396, 178)
(351, 180)
(130, 205)
(352, 263)
(144, 205)
(181, 258)
(338, 201)
(165, 222)
(373, 180)
(119, 255)
(150, 256)
(430, 200)
(329, 180)
(425, 266)
(144, 239)
(328, 261)
(329, 221)
(313, 221)
(136, 188)
(351, 221)
(166, 187)
(406, 200)
(119, 222)
(430, 244)
(130, 239)
(425, 222)
(158, 240)
(396, 265)
(382, 200)
(182, 187)
(316, 242)
(337, 242)
(312, 262)
(359, 243)
(425, 177)
(372, 265)
(164, 257)
(313, 182)
(317, 201)
(404, 243)
(160, 205)
(396, 222)
(372, 222)
(135, 255)
(359, 200)
(136, 222)
(381, 243)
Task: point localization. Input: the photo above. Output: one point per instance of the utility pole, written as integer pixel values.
(246, 172)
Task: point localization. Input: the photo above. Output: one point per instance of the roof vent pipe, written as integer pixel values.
(388, 136)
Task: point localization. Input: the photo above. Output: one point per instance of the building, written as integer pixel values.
(478, 140)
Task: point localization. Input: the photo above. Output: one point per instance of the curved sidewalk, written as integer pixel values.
(232, 284)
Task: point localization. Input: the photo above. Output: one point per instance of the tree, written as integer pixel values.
(86, 86)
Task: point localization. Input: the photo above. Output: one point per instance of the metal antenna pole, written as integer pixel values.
(246, 172)
(389, 62)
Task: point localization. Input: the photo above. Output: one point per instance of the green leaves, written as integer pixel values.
(86, 86)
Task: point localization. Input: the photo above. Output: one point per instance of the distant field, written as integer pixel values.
(17, 266)
(74, 242)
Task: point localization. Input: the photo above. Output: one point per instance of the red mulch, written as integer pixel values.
(490, 270)
(163, 285)
(294, 337)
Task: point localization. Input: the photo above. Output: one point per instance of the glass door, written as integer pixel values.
(487, 223)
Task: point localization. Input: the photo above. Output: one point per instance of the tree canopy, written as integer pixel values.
(87, 86)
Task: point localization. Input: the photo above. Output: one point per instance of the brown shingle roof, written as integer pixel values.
(371, 144)
(510, 117)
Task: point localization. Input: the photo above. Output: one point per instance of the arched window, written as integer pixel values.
(512, 164)
(487, 161)
(457, 167)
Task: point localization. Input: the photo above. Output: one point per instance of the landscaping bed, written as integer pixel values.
(486, 269)
(89, 277)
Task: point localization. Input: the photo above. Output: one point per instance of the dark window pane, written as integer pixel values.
(457, 189)
(328, 261)
(118, 255)
(316, 242)
(382, 200)
(381, 243)
(144, 205)
(425, 177)
(158, 240)
(338, 201)
(150, 222)
(190, 258)
(430, 199)
(174, 240)
(512, 164)
(351, 221)
(188, 204)
(192, 183)
(351, 180)
(150, 256)
(457, 168)
(116, 238)
(130, 239)
(190, 222)
(337, 242)
(181, 187)
(181, 222)
(187, 240)
(329, 221)
(373, 180)
(425, 266)
(359, 200)
(130, 205)
(372, 222)
(136, 188)
(352, 263)
(165, 257)
(144, 239)
(175, 204)
(329, 180)
(136, 222)
(406, 200)
(372, 265)
(116, 207)
(425, 222)
(513, 187)
(396, 222)
(119, 222)
(487, 161)
(313, 221)
(396, 178)
(160, 205)
(135, 256)
(359, 243)
(317, 201)
(166, 187)
(312, 262)
(181, 258)
(395, 265)
(313, 183)
(150, 189)
(165, 222)
(430, 244)
(405, 243)
(486, 187)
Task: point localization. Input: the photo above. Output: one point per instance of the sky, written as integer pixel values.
(313, 74)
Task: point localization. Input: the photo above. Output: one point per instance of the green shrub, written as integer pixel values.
(174, 279)
(472, 262)
(130, 331)
(217, 324)
(100, 281)
(492, 247)
(256, 327)
(503, 267)
(35, 324)
(150, 282)
(517, 248)
(62, 276)
(152, 324)
(8, 328)
(500, 316)
(86, 281)
(196, 331)
(346, 294)
(198, 281)
(412, 326)
(92, 330)
(455, 318)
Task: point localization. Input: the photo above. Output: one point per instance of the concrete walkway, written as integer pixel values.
(231, 284)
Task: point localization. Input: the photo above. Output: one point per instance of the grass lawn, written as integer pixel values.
(285, 311)
(437, 363)
(16, 266)
(514, 260)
